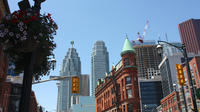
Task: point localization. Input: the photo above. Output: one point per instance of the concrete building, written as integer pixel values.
(71, 67)
(145, 42)
(169, 50)
(168, 72)
(85, 85)
(150, 94)
(99, 63)
(119, 89)
(170, 103)
(148, 60)
(190, 32)
(84, 104)
(10, 95)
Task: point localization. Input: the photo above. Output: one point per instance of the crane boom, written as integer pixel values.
(141, 38)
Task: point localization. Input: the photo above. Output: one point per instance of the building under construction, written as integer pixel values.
(147, 59)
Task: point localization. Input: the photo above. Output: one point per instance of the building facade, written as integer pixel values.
(171, 103)
(85, 85)
(148, 60)
(4, 8)
(168, 73)
(195, 70)
(99, 63)
(150, 94)
(170, 50)
(190, 32)
(71, 66)
(4, 87)
(119, 90)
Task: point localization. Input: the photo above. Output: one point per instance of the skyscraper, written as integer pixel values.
(190, 35)
(100, 63)
(71, 66)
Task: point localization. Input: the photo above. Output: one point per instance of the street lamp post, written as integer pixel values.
(184, 52)
(145, 107)
(30, 59)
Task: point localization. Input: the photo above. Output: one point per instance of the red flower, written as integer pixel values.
(25, 21)
(34, 18)
(49, 15)
(14, 13)
(51, 20)
(14, 21)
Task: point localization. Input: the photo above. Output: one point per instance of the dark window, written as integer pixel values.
(128, 80)
(134, 62)
(175, 107)
(112, 90)
(122, 82)
(15, 90)
(124, 108)
(130, 107)
(123, 94)
(126, 61)
(135, 79)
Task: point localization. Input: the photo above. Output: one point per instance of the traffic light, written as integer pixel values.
(180, 74)
(75, 85)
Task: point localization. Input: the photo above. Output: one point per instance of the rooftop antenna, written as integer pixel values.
(166, 37)
(159, 37)
(72, 43)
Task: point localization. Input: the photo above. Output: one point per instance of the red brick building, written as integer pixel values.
(195, 70)
(171, 103)
(4, 87)
(120, 86)
(190, 33)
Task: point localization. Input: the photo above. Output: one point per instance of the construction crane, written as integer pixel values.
(141, 38)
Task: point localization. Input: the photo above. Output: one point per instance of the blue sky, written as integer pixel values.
(86, 21)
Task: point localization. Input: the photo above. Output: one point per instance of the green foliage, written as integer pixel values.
(24, 31)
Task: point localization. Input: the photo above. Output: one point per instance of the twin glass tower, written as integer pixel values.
(71, 66)
(99, 64)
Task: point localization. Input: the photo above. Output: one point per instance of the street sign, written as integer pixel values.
(180, 74)
(75, 85)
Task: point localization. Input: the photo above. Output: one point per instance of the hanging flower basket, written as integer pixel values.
(23, 32)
